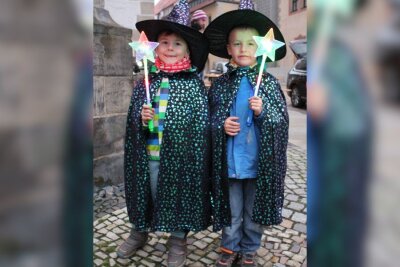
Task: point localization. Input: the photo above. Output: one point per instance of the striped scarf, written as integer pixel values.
(160, 103)
(181, 65)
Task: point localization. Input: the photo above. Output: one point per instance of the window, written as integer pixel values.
(304, 3)
(294, 6)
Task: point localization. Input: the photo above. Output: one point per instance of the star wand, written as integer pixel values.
(144, 51)
(267, 45)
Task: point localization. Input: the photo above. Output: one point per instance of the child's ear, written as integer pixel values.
(229, 49)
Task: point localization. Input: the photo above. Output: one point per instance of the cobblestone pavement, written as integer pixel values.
(282, 245)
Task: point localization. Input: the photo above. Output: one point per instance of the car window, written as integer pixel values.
(299, 48)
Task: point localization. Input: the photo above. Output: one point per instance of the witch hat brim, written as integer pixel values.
(197, 43)
(218, 30)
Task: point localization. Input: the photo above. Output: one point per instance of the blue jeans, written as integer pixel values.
(243, 235)
(154, 167)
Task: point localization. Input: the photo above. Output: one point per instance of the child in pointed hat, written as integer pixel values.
(166, 169)
(249, 136)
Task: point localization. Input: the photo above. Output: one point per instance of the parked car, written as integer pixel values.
(297, 76)
(218, 69)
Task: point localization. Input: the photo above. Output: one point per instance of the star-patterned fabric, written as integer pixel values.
(246, 4)
(183, 190)
(180, 13)
(273, 145)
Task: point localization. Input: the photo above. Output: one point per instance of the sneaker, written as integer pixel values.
(226, 258)
(135, 241)
(248, 260)
(177, 251)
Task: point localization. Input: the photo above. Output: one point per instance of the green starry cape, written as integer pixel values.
(183, 188)
(273, 123)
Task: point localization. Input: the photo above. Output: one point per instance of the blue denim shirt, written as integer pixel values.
(242, 149)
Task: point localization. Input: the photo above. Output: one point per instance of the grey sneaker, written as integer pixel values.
(177, 251)
(135, 241)
(248, 260)
(226, 258)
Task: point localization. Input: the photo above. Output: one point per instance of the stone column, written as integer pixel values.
(112, 84)
(113, 81)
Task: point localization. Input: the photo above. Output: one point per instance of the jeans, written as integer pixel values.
(243, 235)
(154, 167)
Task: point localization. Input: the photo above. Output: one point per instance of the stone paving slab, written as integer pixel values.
(282, 245)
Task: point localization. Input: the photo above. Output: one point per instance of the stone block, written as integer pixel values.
(98, 262)
(300, 227)
(293, 263)
(200, 244)
(213, 256)
(112, 55)
(295, 248)
(296, 206)
(142, 253)
(287, 223)
(299, 217)
(108, 136)
(135, 35)
(291, 197)
(117, 94)
(208, 262)
(286, 213)
(101, 255)
(110, 168)
(98, 96)
(262, 252)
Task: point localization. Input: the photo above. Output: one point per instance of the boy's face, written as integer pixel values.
(242, 47)
(171, 48)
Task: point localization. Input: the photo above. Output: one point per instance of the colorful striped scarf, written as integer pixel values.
(159, 104)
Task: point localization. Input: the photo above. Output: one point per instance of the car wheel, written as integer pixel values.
(295, 98)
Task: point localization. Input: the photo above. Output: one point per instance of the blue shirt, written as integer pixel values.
(242, 149)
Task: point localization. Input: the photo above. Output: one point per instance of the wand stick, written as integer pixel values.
(264, 58)
(146, 82)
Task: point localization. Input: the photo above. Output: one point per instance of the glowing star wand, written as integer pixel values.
(267, 45)
(144, 51)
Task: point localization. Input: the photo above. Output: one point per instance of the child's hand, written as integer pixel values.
(147, 114)
(256, 104)
(232, 127)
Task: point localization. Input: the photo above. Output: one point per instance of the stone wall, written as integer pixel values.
(112, 84)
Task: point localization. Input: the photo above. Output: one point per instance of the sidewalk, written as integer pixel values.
(283, 245)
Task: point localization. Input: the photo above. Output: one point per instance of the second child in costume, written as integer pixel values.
(167, 182)
(249, 156)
